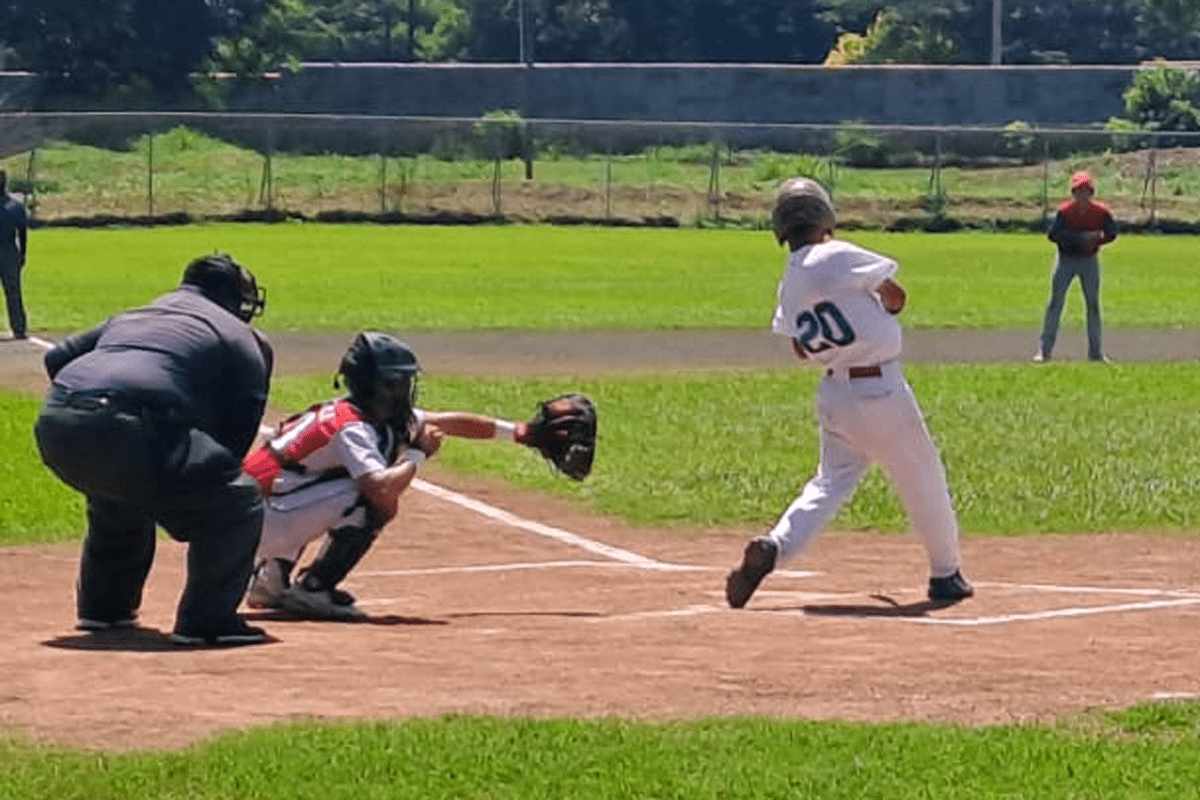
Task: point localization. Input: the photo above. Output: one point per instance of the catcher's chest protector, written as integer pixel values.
(300, 437)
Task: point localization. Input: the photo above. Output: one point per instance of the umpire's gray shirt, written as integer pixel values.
(182, 352)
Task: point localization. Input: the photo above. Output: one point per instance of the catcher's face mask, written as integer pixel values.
(395, 397)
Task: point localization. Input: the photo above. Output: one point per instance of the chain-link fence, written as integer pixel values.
(86, 168)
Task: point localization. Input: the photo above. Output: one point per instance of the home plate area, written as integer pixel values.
(513, 566)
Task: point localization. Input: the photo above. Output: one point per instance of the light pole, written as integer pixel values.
(412, 20)
(523, 34)
(997, 36)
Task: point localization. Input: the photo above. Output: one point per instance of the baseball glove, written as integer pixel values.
(563, 430)
(1078, 243)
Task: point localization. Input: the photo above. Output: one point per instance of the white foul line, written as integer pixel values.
(390, 573)
(1050, 587)
(1062, 612)
(557, 534)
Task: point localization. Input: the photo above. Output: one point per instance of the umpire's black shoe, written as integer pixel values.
(757, 561)
(230, 637)
(950, 589)
(92, 625)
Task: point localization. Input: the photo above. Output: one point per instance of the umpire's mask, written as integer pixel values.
(228, 284)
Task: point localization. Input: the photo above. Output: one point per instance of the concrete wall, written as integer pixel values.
(971, 95)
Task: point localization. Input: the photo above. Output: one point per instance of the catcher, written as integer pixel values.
(339, 468)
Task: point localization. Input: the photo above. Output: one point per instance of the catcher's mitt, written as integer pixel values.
(563, 430)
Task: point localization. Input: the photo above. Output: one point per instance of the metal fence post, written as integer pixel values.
(31, 201)
(714, 180)
(150, 176)
(266, 187)
(608, 185)
(383, 183)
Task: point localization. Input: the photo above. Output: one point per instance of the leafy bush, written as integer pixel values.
(1019, 139)
(1125, 135)
(500, 134)
(857, 145)
(1162, 98)
(771, 167)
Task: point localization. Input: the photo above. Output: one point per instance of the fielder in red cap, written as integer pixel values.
(1079, 229)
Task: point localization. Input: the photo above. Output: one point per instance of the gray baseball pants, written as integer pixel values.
(1066, 269)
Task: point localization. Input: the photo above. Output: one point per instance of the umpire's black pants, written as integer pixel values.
(138, 469)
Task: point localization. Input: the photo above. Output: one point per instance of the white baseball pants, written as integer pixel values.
(294, 519)
(874, 420)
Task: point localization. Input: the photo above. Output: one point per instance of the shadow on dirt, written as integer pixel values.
(133, 640)
(890, 608)
(379, 619)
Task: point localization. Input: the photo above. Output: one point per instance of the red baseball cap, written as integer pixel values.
(1082, 179)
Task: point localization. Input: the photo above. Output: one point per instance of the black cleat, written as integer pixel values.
(950, 589)
(235, 636)
(757, 561)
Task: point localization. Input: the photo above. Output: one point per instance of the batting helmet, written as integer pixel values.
(801, 205)
(377, 364)
(228, 284)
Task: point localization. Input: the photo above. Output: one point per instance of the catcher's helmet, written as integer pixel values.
(801, 205)
(228, 284)
(375, 364)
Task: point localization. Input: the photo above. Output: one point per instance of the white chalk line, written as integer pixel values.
(548, 531)
(1050, 587)
(515, 567)
(1055, 613)
(700, 610)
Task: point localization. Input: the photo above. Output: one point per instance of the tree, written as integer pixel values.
(90, 48)
(891, 39)
(906, 31)
(1034, 31)
(273, 39)
(667, 30)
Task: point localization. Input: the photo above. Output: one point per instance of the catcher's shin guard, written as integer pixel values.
(343, 549)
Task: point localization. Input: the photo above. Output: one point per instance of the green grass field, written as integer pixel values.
(540, 277)
(1079, 447)
(1145, 752)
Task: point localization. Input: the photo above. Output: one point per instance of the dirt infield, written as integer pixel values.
(477, 611)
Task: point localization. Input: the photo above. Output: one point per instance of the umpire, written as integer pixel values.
(150, 415)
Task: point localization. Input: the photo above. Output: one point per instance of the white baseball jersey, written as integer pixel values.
(828, 304)
(309, 473)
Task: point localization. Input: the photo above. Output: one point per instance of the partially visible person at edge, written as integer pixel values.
(1081, 226)
(149, 415)
(14, 224)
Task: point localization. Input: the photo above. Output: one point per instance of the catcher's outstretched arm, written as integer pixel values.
(466, 425)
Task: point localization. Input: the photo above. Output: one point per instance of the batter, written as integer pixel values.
(838, 304)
